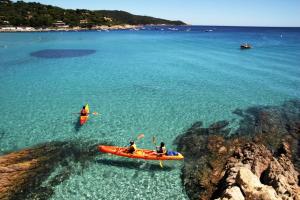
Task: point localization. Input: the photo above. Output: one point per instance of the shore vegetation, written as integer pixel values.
(38, 15)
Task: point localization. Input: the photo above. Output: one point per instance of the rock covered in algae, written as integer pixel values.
(22, 172)
(266, 142)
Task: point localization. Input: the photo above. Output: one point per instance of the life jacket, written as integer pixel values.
(162, 150)
(83, 112)
(132, 148)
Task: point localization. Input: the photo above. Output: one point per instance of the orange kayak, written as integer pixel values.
(139, 153)
(84, 119)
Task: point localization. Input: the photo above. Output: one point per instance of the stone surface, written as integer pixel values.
(233, 193)
(252, 187)
(259, 175)
(283, 177)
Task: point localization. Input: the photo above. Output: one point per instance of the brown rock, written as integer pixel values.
(278, 175)
(233, 193)
(252, 187)
(255, 145)
(22, 172)
(222, 150)
(282, 176)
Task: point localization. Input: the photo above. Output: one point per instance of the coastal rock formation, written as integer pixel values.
(205, 156)
(258, 160)
(22, 172)
(259, 175)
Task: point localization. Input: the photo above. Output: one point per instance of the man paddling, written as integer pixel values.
(132, 147)
(83, 112)
(161, 149)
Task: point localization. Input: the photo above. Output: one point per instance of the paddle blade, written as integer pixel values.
(161, 164)
(154, 140)
(140, 136)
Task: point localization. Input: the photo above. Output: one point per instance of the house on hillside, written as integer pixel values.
(83, 21)
(107, 19)
(3, 21)
(60, 24)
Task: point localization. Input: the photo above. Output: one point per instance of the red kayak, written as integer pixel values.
(139, 153)
(83, 119)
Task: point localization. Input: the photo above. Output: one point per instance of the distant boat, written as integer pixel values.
(173, 29)
(245, 46)
(209, 30)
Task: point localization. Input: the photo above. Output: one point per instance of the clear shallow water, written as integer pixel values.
(156, 82)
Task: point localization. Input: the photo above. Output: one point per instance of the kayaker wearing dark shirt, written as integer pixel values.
(161, 149)
(83, 112)
(132, 147)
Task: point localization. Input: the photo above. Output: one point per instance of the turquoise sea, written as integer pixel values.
(157, 81)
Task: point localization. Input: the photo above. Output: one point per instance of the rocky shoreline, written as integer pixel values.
(260, 160)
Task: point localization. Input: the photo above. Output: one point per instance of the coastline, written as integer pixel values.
(77, 28)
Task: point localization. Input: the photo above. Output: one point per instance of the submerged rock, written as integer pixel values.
(22, 172)
(62, 53)
(258, 161)
(205, 156)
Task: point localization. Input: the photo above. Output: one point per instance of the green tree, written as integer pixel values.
(39, 15)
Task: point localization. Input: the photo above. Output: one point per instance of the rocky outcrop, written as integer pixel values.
(233, 193)
(205, 156)
(258, 159)
(23, 172)
(270, 124)
(251, 186)
(24, 168)
(259, 175)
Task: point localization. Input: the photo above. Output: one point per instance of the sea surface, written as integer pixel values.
(156, 81)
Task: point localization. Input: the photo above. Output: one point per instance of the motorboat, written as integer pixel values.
(245, 46)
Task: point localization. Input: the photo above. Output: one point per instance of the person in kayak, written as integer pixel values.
(83, 112)
(132, 147)
(161, 149)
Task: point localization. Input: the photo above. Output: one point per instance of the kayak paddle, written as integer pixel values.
(93, 113)
(140, 136)
(154, 142)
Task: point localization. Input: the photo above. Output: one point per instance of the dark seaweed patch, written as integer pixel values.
(62, 53)
(54, 154)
